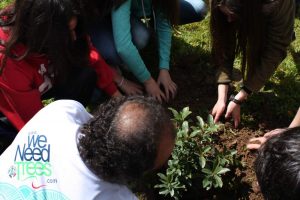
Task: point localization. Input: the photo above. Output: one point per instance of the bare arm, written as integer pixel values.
(296, 120)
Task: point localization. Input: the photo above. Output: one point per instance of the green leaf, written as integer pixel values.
(202, 161)
(233, 152)
(219, 182)
(195, 133)
(206, 171)
(47, 101)
(172, 192)
(185, 128)
(174, 112)
(210, 120)
(180, 134)
(201, 122)
(185, 112)
(206, 149)
(164, 192)
(162, 176)
(179, 143)
(223, 171)
(206, 183)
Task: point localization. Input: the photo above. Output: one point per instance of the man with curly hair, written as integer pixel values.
(277, 166)
(63, 152)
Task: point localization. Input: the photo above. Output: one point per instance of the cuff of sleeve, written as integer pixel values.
(253, 86)
(110, 89)
(223, 78)
(246, 89)
(144, 76)
(164, 65)
(226, 83)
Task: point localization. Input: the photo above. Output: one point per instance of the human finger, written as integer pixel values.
(274, 132)
(173, 90)
(228, 114)
(258, 139)
(253, 146)
(236, 121)
(167, 93)
(217, 117)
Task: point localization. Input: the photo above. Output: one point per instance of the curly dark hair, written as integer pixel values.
(120, 143)
(277, 166)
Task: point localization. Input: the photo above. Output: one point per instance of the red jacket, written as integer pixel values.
(22, 83)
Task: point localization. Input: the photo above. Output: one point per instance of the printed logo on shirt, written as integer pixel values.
(8, 192)
(12, 171)
(32, 160)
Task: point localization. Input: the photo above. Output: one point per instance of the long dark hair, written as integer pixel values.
(43, 27)
(245, 36)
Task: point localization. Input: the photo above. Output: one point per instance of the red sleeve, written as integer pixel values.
(19, 100)
(105, 73)
(4, 34)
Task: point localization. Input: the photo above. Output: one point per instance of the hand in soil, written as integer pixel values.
(218, 110)
(130, 88)
(169, 87)
(234, 111)
(153, 90)
(256, 143)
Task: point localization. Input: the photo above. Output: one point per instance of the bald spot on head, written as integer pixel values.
(131, 117)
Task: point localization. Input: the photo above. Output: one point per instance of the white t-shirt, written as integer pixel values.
(43, 162)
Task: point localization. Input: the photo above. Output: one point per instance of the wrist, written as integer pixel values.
(247, 90)
(235, 100)
(148, 81)
(241, 96)
(222, 92)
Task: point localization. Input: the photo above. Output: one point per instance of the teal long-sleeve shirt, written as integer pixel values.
(123, 39)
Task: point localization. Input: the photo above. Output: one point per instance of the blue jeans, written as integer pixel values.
(102, 35)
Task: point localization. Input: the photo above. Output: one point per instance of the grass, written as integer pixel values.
(278, 99)
(3, 3)
(281, 92)
(283, 89)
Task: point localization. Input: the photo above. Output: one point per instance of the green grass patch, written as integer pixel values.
(3, 3)
(280, 96)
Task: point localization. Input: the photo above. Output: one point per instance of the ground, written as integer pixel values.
(272, 107)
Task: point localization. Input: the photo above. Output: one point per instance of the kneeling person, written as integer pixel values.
(65, 153)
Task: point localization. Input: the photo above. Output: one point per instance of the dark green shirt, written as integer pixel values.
(279, 16)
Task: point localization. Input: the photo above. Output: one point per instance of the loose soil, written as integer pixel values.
(195, 78)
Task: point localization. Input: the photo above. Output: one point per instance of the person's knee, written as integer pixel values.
(199, 6)
(140, 34)
(192, 11)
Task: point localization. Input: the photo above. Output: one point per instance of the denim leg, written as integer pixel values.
(140, 33)
(192, 11)
(79, 86)
(102, 38)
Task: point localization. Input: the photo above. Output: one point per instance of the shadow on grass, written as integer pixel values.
(192, 71)
(276, 105)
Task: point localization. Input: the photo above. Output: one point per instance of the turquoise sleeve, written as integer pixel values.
(123, 41)
(164, 34)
